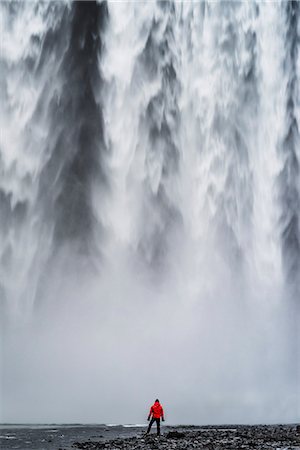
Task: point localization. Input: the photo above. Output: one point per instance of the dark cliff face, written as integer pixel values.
(76, 143)
(289, 176)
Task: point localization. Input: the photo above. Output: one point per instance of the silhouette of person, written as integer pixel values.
(157, 412)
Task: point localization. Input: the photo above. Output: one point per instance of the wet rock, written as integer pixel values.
(175, 435)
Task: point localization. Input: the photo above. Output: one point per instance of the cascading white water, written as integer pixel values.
(149, 201)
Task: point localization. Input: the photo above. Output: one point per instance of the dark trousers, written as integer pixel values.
(157, 424)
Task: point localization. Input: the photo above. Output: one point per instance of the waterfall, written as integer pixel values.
(150, 210)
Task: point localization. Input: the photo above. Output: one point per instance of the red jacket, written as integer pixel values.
(156, 411)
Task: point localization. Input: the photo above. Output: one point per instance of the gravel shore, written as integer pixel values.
(283, 437)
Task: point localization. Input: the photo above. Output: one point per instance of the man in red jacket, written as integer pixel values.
(157, 412)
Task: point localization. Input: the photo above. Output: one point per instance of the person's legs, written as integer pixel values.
(158, 426)
(150, 425)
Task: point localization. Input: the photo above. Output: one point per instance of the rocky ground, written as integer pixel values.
(283, 437)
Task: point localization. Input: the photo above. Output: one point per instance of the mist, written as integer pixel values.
(149, 212)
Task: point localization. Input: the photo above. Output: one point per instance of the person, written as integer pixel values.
(157, 412)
